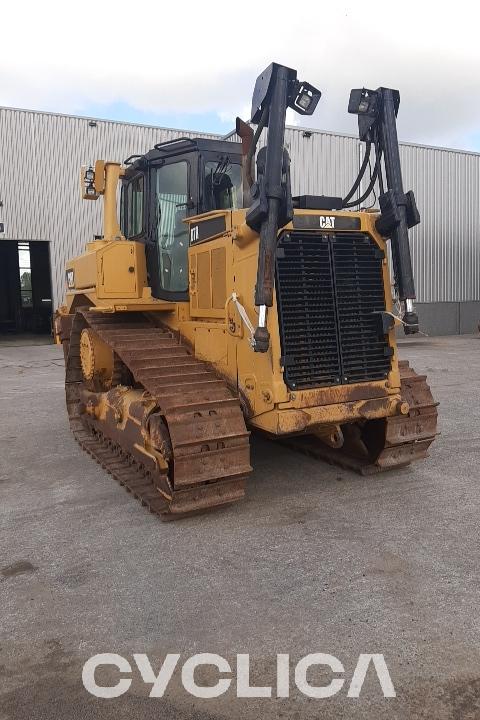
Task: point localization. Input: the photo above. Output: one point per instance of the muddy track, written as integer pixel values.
(208, 457)
(206, 448)
(383, 444)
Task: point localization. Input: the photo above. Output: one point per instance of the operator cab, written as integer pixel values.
(176, 179)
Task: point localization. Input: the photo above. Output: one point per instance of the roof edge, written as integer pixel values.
(107, 120)
(218, 136)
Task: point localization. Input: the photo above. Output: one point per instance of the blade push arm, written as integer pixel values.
(377, 113)
(276, 89)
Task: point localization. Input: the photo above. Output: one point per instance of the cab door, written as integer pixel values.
(168, 236)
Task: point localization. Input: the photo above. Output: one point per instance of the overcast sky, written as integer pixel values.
(193, 65)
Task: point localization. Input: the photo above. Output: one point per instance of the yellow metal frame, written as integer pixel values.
(111, 276)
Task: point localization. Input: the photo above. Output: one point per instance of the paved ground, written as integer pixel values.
(12, 340)
(315, 560)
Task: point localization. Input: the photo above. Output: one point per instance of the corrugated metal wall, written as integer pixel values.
(322, 164)
(446, 245)
(40, 159)
(41, 155)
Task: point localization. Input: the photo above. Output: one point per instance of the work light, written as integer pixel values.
(305, 99)
(362, 101)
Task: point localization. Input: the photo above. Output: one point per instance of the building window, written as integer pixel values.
(25, 274)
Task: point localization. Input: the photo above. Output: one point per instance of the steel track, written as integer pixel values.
(206, 431)
(385, 444)
(209, 452)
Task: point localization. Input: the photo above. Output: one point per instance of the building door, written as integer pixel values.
(41, 286)
(9, 287)
(25, 287)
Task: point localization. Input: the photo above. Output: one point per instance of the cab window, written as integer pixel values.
(171, 197)
(131, 207)
(223, 187)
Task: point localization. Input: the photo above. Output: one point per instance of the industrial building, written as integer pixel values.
(43, 220)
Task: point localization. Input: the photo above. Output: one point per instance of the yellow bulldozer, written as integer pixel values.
(215, 304)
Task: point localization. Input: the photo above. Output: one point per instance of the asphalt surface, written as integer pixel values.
(316, 559)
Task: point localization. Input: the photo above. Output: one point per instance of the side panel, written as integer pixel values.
(211, 345)
(208, 278)
(85, 270)
(121, 270)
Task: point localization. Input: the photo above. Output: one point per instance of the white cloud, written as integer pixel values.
(189, 57)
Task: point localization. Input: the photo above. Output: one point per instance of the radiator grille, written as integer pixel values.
(330, 295)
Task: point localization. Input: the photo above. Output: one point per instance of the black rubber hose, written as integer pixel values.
(360, 175)
(371, 184)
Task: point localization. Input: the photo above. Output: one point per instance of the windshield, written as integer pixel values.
(223, 188)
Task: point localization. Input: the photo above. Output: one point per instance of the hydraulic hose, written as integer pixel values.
(371, 184)
(360, 175)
